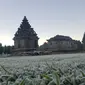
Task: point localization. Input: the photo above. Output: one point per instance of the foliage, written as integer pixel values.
(43, 70)
(1, 49)
(48, 77)
(5, 49)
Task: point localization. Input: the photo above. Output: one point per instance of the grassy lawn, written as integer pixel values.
(59, 69)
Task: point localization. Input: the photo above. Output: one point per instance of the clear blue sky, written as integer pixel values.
(47, 17)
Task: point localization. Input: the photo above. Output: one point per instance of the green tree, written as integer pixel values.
(1, 48)
(8, 49)
(4, 50)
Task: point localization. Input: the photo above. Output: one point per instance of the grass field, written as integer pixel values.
(59, 69)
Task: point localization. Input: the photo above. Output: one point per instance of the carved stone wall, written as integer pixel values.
(61, 43)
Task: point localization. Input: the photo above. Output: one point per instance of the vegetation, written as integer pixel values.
(5, 49)
(1, 49)
(51, 74)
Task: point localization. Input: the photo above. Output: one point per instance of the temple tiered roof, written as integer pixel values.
(60, 38)
(25, 30)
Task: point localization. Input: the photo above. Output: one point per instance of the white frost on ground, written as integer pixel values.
(66, 62)
(22, 61)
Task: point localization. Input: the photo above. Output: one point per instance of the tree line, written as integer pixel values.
(5, 49)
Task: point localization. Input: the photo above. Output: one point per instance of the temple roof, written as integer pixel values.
(25, 30)
(60, 38)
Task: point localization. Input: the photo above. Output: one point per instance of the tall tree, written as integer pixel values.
(8, 49)
(5, 49)
(1, 49)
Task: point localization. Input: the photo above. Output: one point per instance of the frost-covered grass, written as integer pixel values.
(59, 69)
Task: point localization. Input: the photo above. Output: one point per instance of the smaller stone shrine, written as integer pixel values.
(61, 43)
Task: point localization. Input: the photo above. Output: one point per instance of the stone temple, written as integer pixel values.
(25, 38)
(61, 43)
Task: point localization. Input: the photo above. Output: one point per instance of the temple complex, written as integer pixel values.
(26, 41)
(25, 38)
